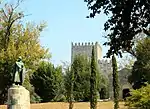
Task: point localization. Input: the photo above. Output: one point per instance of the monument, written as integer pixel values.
(18, 72)
(18, 96)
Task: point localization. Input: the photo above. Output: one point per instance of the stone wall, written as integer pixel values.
(105, 66)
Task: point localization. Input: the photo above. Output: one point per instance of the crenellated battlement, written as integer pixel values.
(83, 44)
(85, 48)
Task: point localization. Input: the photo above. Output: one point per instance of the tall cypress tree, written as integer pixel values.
(93, 82)
(115, 83)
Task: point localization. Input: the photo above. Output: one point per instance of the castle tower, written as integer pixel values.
(86, 49)
(104, 65)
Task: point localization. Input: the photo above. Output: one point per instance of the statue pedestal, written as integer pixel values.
(18, 98)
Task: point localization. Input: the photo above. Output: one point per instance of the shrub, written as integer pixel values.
(140, 98)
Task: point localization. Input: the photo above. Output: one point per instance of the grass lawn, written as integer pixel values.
(79, 105)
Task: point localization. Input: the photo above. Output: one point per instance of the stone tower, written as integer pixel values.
(86, 49)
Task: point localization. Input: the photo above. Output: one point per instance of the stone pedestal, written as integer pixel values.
(18, 98)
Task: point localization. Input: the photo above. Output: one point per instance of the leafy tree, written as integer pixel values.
(73, 80)
(115, 83)
(126, 19)
(59, 83)
(93, 81)
(104, 87)
(140, 72)
(139, 98)
(48, 82)
(17, 40)
(67, 82)
(81, 70)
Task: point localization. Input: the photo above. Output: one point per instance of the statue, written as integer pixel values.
(18, 72)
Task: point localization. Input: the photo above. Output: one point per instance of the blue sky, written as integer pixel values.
(67, 23)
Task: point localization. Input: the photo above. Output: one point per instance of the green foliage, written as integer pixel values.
(104, 87)
(17, 40)
(115, 83)
(93, 81)
(104, 93)
(140, 98)
(71, 94)
(140, 72)
(34, 98)
(81, 70)
(48, 82)
(68, 85)
(126, 19)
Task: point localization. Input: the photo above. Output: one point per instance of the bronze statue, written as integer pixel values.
(18, 72)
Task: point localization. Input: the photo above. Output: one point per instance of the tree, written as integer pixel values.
(17, 40)
(48, 82)
(81, 70)
(126, 19)
(104, 87)
(76, 80)
(115, 83)
(139, 98)
(59, 83)
(93, 81)
(68, 83)
(140, 72)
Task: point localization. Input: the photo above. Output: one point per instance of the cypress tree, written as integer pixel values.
(93, 83)
(115, 83)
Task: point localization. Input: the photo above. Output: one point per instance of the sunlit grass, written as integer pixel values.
(78, 105)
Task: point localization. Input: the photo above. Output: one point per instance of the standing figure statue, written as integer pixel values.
(18, 72)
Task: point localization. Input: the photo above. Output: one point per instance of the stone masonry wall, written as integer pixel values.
(18, 98)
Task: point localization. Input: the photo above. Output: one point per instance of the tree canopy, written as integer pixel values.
(139, 98)
(48, 82)
(127, 18)
(81, 69)
(17, 39)
(140, 72)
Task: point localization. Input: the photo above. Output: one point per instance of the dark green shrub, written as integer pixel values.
(140, 98)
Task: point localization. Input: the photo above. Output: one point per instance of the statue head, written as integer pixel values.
(19, 58)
